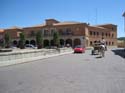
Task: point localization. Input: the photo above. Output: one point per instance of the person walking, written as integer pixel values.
(102, 50)
(103, 42)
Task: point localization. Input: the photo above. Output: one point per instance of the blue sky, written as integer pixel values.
(25, 13)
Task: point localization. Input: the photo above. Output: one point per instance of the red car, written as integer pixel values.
(79, 49)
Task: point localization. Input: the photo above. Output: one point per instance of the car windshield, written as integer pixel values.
(79, 46)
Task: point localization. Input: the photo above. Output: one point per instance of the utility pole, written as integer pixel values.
(124, 23)
(124, 20)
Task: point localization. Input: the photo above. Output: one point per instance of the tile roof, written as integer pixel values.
(15, 27)
(1, 30)
(98, 27)
(103, 25)
(66, 23)
(39, 25)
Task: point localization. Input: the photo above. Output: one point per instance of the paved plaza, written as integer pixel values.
(70, 73)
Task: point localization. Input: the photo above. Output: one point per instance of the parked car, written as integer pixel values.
(79, 49)
(13, 47)
(30, 46)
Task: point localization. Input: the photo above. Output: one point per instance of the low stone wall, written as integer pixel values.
(29, 55)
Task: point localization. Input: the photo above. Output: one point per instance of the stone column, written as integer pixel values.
(82, 39)
(86, 41)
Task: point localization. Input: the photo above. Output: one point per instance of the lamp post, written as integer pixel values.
(124, 20)
(124, 23)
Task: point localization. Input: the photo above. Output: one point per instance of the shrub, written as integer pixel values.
(7, 40)
(56, 39)
(22, 41)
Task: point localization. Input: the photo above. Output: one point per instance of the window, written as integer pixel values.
(18, 34)
(90, 42)
(109, 34)
(112, 35)
(32, 33)
(46, 33)
(109, 43)
(112, 43)
(95, 41)
(112, 28)
(60, 31)
(106, 34)
(90, 32)
(106, 43)
(68, 31)
(52, 31)
(94, 33)
(102, 34)
(97, 33)
(64, 31)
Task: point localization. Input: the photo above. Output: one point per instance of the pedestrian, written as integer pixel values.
(103, 42)
(102, 50)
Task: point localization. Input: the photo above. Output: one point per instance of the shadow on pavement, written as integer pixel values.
(98, 57)
(120, 52)
(94, 54)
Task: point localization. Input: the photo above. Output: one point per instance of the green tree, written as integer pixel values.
(22, 41)
(1, 43)
(121, 38)
(7, 40)
(39, 39)
(56, 39)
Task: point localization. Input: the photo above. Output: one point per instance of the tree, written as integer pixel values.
(56, 39)
(121, 38)
(22, 41)
(1, 43)
(7, 40)
(39, 39)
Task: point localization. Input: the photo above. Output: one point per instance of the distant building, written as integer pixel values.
(121, 43)
(72, 33)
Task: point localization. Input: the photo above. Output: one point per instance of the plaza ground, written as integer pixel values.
(70, 73)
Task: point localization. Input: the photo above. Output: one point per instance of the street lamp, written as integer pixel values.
(124, 20)
(124, 23)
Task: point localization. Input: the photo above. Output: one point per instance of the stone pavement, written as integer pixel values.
(72, 73)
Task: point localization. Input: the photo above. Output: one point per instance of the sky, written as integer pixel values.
(24, 13)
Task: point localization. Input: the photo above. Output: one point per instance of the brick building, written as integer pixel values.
(1, 37)
(73, 33)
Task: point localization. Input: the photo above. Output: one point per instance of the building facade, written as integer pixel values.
(72, 33)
